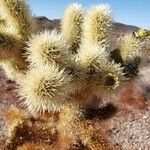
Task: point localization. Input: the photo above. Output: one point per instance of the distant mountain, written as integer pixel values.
(118, 29)
(45, 23)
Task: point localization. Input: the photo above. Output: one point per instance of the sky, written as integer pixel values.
(131, 12)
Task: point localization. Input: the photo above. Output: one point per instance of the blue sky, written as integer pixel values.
(133, 12)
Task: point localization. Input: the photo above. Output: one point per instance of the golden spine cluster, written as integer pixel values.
(72, 26)
(93, 139)
(18, 17)
(97, 25)
(15, 29)
(130, 48)
(24, 133)
(45, 89)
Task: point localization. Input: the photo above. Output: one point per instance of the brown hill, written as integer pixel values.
(45, 23)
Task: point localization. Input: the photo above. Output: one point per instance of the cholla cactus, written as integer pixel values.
(142, 34)
(64, 71)
(24, 132)
(14, 32)
(72, 26)
(33, 146)
(97, 25)
(130, 48)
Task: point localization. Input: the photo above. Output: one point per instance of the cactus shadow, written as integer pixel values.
(103, 113)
